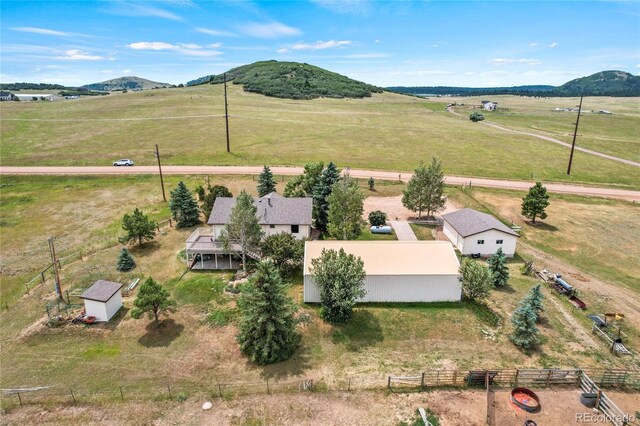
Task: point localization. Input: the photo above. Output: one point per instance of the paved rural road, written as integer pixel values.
(376, 174)
(403, 230)
(554, 140)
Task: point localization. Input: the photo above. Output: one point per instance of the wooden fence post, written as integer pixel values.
(455, 377)
(422, 380)
(548, 378)
(598, 398)
(220, 390)
(121, 394)
(516, 380)
(169, 389)
(349, 386)
(19, 398)
(389, 382)
(268, 390)
(72, 395)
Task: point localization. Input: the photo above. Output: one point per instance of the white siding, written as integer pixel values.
(490, 246)
(96, 309)
(399, 288)
(453, 236)
(103, 311)
(304, 230)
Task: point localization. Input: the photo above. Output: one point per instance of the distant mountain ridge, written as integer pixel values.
(292, 80)
(126, 83)
(604, 83)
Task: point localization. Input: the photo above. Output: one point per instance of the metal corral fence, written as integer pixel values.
(629, 379)
(603, 403)
(591, 378)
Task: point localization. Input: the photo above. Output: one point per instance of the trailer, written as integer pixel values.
(563, 287)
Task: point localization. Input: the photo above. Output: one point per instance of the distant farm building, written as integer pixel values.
(102, 300)
(397, 271)
(6, 96)
(474, 232)
(489, 105)
(35, 96)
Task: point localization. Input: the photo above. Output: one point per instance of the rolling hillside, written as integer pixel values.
(126, 83)
(292, 80)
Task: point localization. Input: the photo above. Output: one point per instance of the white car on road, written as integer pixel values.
(124, 162)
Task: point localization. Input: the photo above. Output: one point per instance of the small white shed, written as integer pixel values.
(474, 232)
(102, 300)
(397, 271)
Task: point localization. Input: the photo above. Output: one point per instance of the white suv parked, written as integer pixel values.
(124, 162)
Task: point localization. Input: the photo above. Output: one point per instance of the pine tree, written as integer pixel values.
(525, 333)
(303, 185)
(425, 190)
(125, 261)
(242, 228)
(321, 192)
(138, 227)
(266, 183)
(210, 196)
(535, 202)
(267, 328)
(534, 299)
(340, 279)
(346, 204)
(153, 300)
(499, 269)
(372, 184)
(184, 207)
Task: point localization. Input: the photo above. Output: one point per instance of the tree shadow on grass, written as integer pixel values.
(361, 331)
(507, 289)
(161, 336)
(145, 249)
(542, 226)
(297, 365)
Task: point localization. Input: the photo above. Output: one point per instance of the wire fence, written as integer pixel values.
(430, 379)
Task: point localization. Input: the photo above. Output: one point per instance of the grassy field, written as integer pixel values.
(387, 131)
(188, 350)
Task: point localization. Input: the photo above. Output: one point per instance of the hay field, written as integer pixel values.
(387, 131)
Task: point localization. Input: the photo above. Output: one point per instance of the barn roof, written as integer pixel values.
(101, 291)
(273, 209)
(468, 222)
(392, 257)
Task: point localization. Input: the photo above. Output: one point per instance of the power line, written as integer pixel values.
(575, 134)
(226, 111)
(164, 197)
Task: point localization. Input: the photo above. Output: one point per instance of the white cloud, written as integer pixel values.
(189, 49)
(42, 31)
(320, 45)
(126, 71)
(357, 7)
(504, 61)
(213, 32)
(152, 45)
(78, 55)
(133, 9)
(271, 30)
(214, 45)
(554, 44)
(439, 44)
(638, 66)
(533, 44)
(283, 50)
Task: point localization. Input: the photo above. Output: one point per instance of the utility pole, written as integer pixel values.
(575, 133)
(54, 261)
(164, 197)
(226, 111)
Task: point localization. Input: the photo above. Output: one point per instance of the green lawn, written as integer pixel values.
(423, 232)
(387, 131)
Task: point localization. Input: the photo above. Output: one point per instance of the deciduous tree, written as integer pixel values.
(340, 279)
(425, 190)
(153, 300)
(138, 227)
(499, 269)
(267, 327)
(535, 202)
(377, 218)
(346, 203)
(184, 208)
(476, 280)
(242, 228)
(266, 183)
(284, 250)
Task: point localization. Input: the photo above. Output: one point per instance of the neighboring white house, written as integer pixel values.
(489, 105)
(6, 96)
(473, 232)
(397, 271)
(275, 214)
(102, 300)
(30, 96)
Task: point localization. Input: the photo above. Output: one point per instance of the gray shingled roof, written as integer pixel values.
(273, 209)
(470, 222)
(101, 291)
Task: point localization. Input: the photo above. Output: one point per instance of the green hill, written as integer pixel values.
(604, 83)
(126, 83)
(292, 80)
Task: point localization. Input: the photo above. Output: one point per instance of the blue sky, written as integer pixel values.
(385, 43)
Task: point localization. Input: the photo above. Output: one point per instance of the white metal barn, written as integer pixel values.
(102, 300)
(473, 232)
(397, 271)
